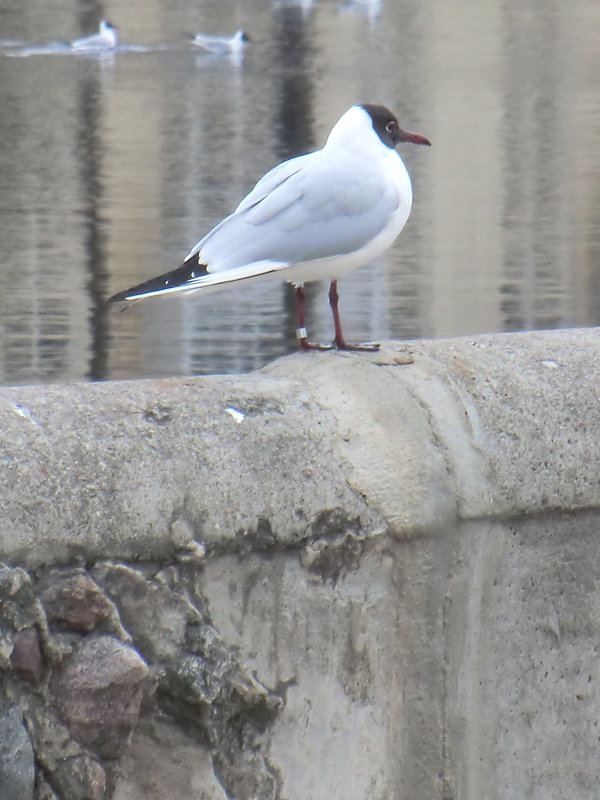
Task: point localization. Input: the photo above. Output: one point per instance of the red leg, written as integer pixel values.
(339, 340)
(301, 334)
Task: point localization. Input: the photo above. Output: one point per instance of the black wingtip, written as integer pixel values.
(119, 297)
(187, 272)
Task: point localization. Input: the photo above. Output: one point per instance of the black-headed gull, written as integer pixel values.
(106, 39)
(222, 45)
(313, 217)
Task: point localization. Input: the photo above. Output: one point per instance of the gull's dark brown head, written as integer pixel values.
(386, 126)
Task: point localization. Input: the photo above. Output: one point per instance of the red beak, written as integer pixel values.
(414, 138)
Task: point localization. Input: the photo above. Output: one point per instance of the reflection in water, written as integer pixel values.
(371, 9)
(295, 57)
(88, 16)
(111, 171)
(295, 116)
(537, 189)
(89, 153)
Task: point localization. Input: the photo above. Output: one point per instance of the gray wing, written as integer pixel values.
(312, 207)
(87, 42)
(265, 185)
(211, 44)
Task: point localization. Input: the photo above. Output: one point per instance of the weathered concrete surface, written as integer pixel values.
(404, 556)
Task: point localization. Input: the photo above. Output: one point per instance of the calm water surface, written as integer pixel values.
(112, 168)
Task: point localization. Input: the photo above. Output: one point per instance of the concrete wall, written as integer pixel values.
(344, 576)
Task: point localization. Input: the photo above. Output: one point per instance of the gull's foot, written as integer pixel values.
(304, 344)
(365, 347)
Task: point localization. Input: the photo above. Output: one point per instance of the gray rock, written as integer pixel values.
(153, 611)
(20, 608)
(212, 690)
(18, 603)
(213, 693)
(65, 767)
(247, 775)
(98, 693)
(52, 741)
(16, 756)
(6, 647)
(80, 778)
(43, 790)
(180, 767)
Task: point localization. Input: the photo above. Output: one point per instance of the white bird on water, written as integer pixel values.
(106, 39)
(222, 45)
(313, 217)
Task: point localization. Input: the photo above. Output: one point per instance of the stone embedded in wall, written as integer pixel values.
(20, 609)
(26, 656)
(78, 777)
(64, 765)
(98, 692)
(43, 790)
(6, 648)
(188, 550)
(210, 687)
(77, 602)
(52, 741)
(18, 602)
(16, 756)
(248, 774)
(162, 762)
(212, 692)
(54, 626)
(152, 607)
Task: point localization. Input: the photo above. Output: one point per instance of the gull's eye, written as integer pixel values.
(391, 127)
